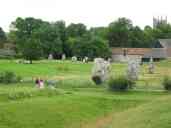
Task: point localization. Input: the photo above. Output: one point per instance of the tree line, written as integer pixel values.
(35, 38)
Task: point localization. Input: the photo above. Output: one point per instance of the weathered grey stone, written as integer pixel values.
(101, 70)
(50, 57)
(85, 60)
(133, 70)
(63, 57)
(151, 67)
(74, 59)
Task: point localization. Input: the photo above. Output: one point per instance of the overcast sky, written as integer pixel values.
(90, 12)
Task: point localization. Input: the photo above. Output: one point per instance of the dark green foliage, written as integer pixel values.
(30, 94)
(76, 30)
(32, 49)
(118, 33)
(90, 46)
(36, 39)
(25, 39)
(2, 35)
(9, 77)
(120, 83)
(97, 80)
(167, 83)
(50, 39)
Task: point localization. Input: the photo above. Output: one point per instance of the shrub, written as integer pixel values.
(167, 83)
(97, 80)
(120, 83)
(9, 77)
(28, 94)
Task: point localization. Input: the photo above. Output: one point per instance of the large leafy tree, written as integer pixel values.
(73, 33)
(32, 49)
(2, 37)
(61, 27)
(137, 38)
(91, 46)
(162, 31)
(76, 30)
(100, 32)
(50, 38)
(23, 34)
(118, 32)
(149, 39)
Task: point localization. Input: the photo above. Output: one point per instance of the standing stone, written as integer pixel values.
(50, 57)
(151, 66)
(100, 71)
(109, 60)
(74, 59)
(85, 60)
(133, 70)
(63, 57)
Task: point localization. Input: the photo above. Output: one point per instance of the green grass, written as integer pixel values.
(78, 102)
(156, 114)
(69, 110)
(46, 69)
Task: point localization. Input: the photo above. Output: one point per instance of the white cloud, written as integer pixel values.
(90, 12)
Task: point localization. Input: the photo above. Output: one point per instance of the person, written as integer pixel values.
(39, 83)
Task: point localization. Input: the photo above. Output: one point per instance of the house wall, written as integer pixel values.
(168, 50)
(122, 58)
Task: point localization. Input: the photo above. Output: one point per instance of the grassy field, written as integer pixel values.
(78, 102)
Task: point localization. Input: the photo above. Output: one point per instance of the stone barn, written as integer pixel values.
(126, 54)
(160, 50)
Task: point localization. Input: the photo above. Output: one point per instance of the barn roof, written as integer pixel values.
(166, 43)
(156, 53)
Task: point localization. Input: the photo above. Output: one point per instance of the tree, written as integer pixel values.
(2, 37)
(76, 30)
(50, 38)
(149, 36)
(162, 31)
(100, 32)
(137, 38)
(73, 33)
(32, 49)
(118, 32)
(90, 46)
(24, 35)
(60, 25)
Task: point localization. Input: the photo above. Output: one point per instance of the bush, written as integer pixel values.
(9, 77)
(97, 80)
(120, 83)
(29, 94)
(167, 83)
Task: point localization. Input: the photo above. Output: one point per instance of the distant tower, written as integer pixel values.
(158, 21)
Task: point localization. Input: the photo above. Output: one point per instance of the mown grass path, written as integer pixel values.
(154, 114)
